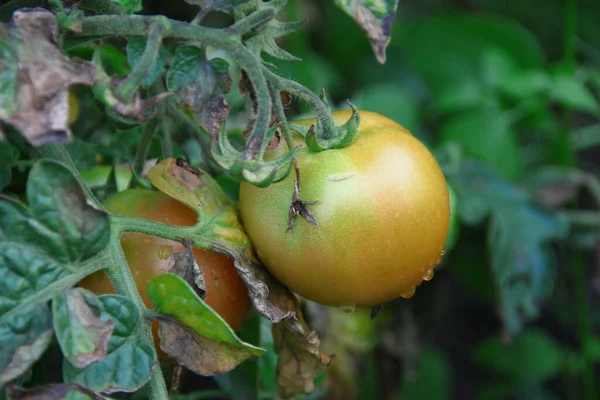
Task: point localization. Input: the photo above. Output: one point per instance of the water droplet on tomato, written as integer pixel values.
(438, 261)
(408, 293)
(443, 252)
(428, 275)
(164, 252)
(348, 307)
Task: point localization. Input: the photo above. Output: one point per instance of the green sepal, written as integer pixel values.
(341, 137)
(260, 173)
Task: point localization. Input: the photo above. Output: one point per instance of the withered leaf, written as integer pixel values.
(193, 333)
(38, 106)
(375, 19)
(200, 355)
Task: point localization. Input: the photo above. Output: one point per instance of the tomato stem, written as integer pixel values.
(123, 282)
(144, 67)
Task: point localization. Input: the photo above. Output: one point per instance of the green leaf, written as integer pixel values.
(391, 101)
(129, 361)
(488, 137)
(446, 50)
(24, 336)
(175, 298)
(113, 60)
(83, 337)
(135, 50)
(519, 233)
(375, 18)
(460, 97)
(533, 356)
(8, 76)
(571, 91)
(523, 84)
(8, 154)
(434, 378)
(72, 21)
(130, 5)
(42, 247)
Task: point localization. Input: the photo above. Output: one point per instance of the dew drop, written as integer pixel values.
(408, 293)
(428, 275)
(443, 252)
(348, 307)
(164, 252)
(438, 261)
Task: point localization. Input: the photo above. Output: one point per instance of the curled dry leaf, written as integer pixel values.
(375, 19)
(41, 75)
(219, 230)
(82, 335)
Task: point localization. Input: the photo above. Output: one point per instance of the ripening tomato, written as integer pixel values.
(148, 256)
(382, 213)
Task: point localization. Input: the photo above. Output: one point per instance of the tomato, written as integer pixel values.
(148, 256)
(382, 213)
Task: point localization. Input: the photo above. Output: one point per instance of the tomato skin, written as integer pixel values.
(383, 214)
(148, 256)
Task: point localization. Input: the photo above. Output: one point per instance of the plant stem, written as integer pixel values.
(285, 129)
(170, 232)
(88, 267)
(123, 282)
(321, 109)
(141, 152)
(252, 21)
(128, 87)
(585, 331)
(230, 42)
(58, 153)
(570, 37)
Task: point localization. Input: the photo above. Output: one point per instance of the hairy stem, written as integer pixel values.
(252, 21)
(321, 109)
(285, 129)
(143, 147)
(123, 282)
(58, 153)
(230, 42)
(128, 87)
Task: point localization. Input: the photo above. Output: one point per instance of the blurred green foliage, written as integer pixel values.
(506, 96)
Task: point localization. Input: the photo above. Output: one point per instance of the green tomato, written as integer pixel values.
(382, 213)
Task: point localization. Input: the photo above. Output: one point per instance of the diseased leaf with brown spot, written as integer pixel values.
(193, 333)
(54, 391)
(375, 18)
(219, 230)
(83, 337)
(200, 86)
(39, 106)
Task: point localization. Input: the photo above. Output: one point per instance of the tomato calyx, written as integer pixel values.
(321, 137)
(298, 206)
(244, 167)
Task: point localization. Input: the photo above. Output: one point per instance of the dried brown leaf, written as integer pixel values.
(41, 107)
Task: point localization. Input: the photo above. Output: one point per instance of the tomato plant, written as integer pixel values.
(382, 214)
(148, 256)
